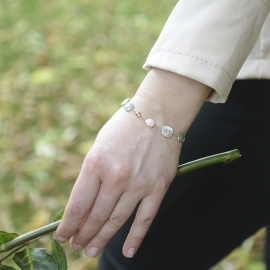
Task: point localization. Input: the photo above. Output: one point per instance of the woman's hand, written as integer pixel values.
(128, 163)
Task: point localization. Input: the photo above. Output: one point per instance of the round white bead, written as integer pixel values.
(167, 131)
(129, 106)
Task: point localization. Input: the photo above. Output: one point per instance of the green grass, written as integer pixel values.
(65, 66)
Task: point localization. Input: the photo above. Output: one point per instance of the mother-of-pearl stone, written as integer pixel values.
(167, 131)
(129, 106)
(150, 122)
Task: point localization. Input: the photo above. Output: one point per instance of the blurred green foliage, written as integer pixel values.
(65, 66)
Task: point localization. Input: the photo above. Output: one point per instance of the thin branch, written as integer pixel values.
(40, 232)
(22, 246)
(226, 157)
(13, 251)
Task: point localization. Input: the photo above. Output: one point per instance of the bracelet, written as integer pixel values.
(166, 131)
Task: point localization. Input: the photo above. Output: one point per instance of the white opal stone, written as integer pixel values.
(167, 131)
(129, 106)
(150, 122)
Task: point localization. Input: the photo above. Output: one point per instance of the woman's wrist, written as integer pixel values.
(170, 99)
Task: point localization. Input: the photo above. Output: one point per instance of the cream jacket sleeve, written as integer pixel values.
(257, 65)
(209, 40)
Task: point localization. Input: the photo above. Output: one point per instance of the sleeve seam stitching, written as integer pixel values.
(199, 59)
(264, 2)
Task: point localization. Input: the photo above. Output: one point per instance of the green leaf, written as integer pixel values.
(35, 259)
(5, 267)
(6, 237)
(59, 216)
(59, 253)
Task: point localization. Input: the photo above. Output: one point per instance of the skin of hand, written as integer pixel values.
(131, 162)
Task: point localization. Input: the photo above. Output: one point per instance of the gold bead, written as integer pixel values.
(138, 114)
(126, 101)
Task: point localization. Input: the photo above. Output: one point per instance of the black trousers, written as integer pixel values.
(207, 213)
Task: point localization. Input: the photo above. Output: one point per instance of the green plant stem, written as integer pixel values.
(22, 246)
(225, 157)
(30, 236)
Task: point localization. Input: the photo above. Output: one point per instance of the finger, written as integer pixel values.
(80, 202)
(143, 220)
(98, 215)
(118, 217)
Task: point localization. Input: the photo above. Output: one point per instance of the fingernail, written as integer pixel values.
(77, 247)
(61, 239)
(92, 252)
(131, 252)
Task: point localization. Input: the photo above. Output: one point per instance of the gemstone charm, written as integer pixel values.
(150, 122)
(181, 137)
(167, 131)
(129, 107)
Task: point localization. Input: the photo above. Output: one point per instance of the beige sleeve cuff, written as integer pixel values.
(209, 40)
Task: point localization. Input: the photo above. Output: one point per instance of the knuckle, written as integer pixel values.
(141, 183)
(102, 239)
(92, 161)
(137, 239)
(117, 220)
(65, 231)
(162, 185)
(75, 210)
(145, 222)
(120, 172)
(96, 219)
(81, 240)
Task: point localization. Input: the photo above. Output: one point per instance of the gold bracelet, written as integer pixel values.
(166, 131)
